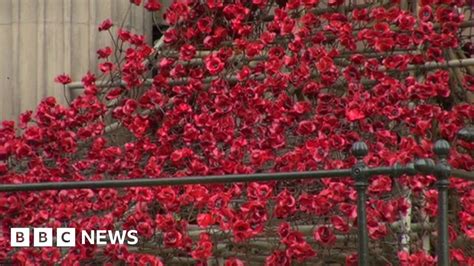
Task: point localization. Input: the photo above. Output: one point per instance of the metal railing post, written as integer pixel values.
(466, 134)
(442, 173)
(360, 150)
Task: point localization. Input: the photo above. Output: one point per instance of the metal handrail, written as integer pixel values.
(360, 172)
(463, 174)
(172, 181)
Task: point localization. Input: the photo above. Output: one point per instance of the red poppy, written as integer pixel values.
(105, 25)
(104, 52)
(152, 5)
(325, 236)
(63, 79)
(214, 64)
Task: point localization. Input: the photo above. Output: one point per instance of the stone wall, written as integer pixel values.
(40, 39)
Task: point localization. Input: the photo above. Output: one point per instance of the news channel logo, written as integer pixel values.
(66, 237)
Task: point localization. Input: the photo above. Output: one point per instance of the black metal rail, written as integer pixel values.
(360, 172)
(172, 181)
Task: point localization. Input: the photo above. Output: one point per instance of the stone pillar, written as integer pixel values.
(43, 38)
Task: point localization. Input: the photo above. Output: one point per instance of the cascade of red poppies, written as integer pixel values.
(245, 87)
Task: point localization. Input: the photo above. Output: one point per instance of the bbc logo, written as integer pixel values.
(43, 237)
(66, 237)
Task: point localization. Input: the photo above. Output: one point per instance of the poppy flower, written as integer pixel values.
(233, 262)
(187, 52)
(106, 67)
(152, 5)
(325, 236)
(105, 25)
(104, 52)
(214, 64)
(63, 79)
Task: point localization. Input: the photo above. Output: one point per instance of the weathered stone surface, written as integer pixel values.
(40, 39)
